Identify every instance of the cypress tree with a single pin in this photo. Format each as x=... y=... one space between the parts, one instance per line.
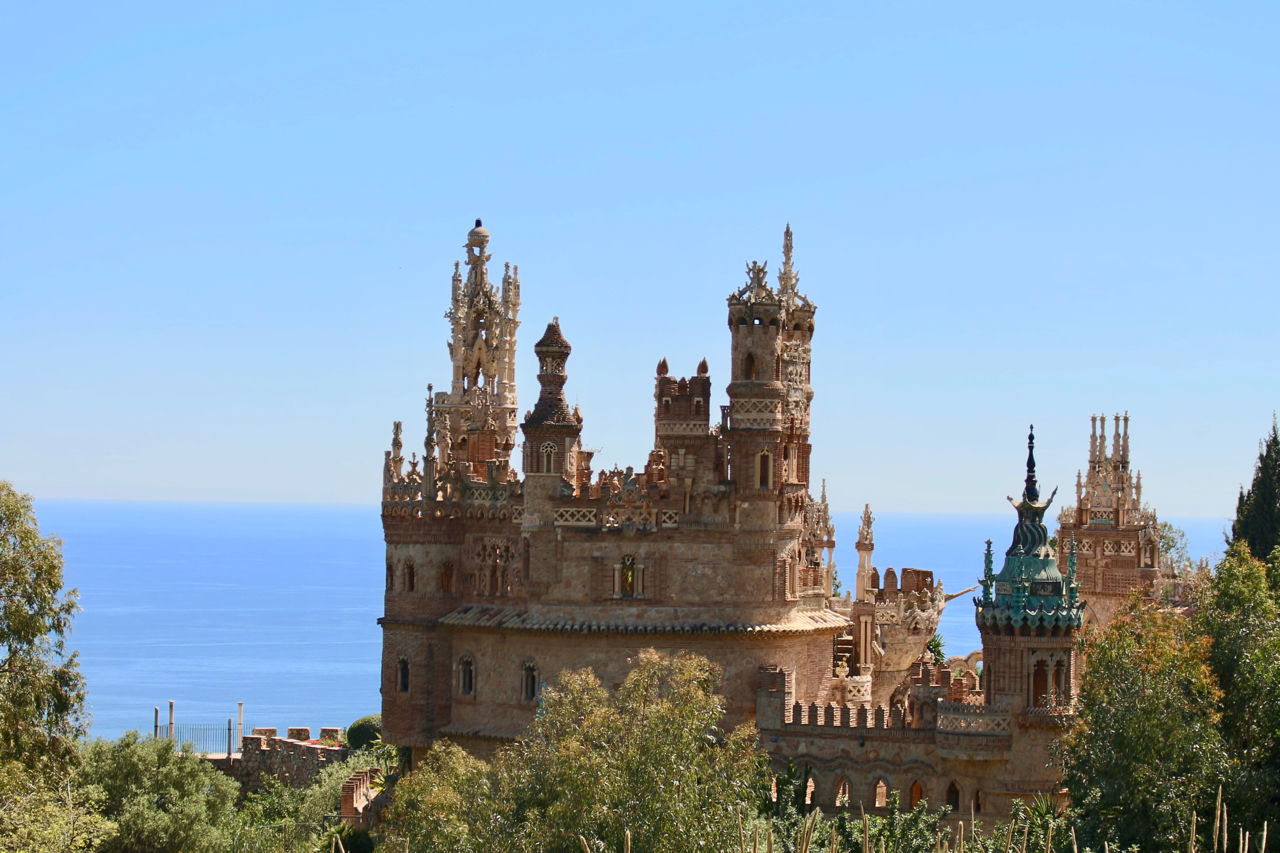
x=1257 y=521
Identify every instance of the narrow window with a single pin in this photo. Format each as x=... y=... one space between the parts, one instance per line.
x=403 y=675
x=749 y=366
x=529 y=683
x=390 y=575
x=1040 y=685
x=809 y=790
x=666 y=405
x=410 y=577
x=628 y=577
x=882 y=794
x=977 y=802
x=446 y=578
x=548 y=458
x=764 y=475
x=917 y=793
x=466 y=677
x=842 y=792
x=953 y=797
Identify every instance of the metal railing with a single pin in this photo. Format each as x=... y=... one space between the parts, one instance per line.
x=210 y=738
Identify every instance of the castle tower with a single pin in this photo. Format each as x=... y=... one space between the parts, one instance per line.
x=551 y=431
x=681 y=420
x=1029 y=613
x=766 y=423
x=1117 y=539
x=474 y=422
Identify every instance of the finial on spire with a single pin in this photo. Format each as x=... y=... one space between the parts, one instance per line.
x=786 y=274
x=703 y=368
x=662 y=367
x=1032 y=491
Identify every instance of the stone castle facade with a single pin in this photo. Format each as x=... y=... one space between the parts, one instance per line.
x=509 y=559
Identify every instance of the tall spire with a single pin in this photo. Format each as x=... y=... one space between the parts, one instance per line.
x=787 y=278
x=1032 y=491
x=1030 y=538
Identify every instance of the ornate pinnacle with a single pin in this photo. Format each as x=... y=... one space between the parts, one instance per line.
x=786 y=275
x=865 y=534
x=396 y=444
x=1032 y=491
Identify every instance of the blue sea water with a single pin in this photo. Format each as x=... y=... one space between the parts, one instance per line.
x=275 y=605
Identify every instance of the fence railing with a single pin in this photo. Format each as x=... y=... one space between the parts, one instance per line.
x=214 y=737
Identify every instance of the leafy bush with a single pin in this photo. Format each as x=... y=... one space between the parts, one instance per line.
x=648 y=759
x=364 y=731
x=161 y=797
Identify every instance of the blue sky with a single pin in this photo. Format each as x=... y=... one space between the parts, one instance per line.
x=227 y=231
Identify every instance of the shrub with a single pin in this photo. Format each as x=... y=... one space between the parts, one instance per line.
x=364 y=731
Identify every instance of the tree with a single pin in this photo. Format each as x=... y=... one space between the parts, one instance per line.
x=163 y=798
x=41 y=815
x=649 y=758
x=1257 y=521
x=1145 y=751
x=1239 y=614
x=41 y=688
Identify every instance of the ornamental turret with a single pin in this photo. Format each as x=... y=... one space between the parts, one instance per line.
x=474 y=422
x=1029 y=612
x=552 y=430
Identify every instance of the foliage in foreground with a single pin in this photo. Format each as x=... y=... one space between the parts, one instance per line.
x=1145 y=750
x=41 y=812
x=41 y=688
x=648 y=759
x=162 y=798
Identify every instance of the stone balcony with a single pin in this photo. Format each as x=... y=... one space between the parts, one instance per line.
x=974 y=732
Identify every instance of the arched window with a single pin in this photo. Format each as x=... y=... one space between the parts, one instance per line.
x=410 y=577
x=809 y=790
x=977 y=802
x=749 y=366
x=666 y=405
x=390 y=575
x=953 y=797
x=548 y=458
x=917 y=793
x=446 y=578
x=402 y=675
x=466 y=676
x=881 y=794
x=1040 y=685
x=764 y=474
x=697 y=405
x=529 y=682
x=842 y=792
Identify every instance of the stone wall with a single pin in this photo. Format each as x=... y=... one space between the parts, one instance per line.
x=293 y=760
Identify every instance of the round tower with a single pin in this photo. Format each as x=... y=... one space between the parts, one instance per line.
x=1029 y=613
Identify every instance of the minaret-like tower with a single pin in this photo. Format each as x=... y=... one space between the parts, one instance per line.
x=1118 y=539
x=552 y=432
x=766 y=423
x=474 y=422
x=1029 y=613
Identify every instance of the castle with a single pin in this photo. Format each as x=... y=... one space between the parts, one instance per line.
x=502 y=572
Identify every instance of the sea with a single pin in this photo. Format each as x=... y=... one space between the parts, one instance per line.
x=207 y=605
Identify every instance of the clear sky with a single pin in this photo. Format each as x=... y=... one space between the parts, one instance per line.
x=227 y=231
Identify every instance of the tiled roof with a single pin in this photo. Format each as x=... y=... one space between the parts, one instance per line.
x=509 y=618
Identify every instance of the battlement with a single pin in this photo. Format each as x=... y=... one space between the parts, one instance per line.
x=294 y=759
x=913 y=581
x=682 y=406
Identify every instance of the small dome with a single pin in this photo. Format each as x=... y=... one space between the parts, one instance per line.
x=478 y=236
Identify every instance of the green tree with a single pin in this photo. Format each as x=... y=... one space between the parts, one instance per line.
x=1239 y=614
x=649 y=758
x=162 y=798
x=1145 y=750
x=41 y=813
x=1257 y=521
x=41 y=689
